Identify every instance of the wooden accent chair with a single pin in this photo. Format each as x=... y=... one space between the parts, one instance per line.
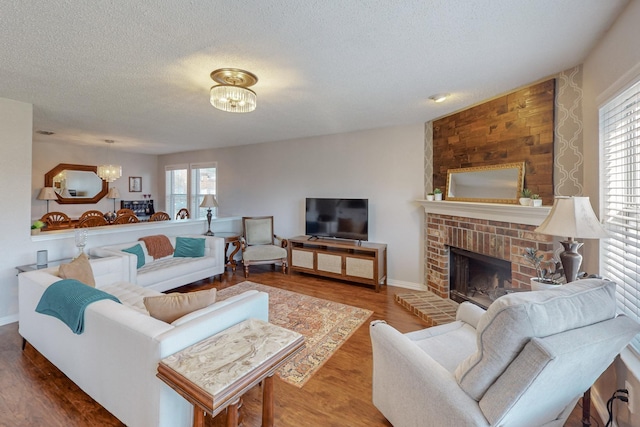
x=160 y=216
x=258 y=243
x=92 y=221
x=126 y=219
x=183 y=214
x=56 y=220
x=91 y=213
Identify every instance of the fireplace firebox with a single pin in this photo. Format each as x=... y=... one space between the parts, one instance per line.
x=477 y=278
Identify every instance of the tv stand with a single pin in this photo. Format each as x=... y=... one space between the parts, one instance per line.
x=350 y=260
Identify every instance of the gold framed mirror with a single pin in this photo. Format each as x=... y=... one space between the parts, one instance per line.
x=488 y=184
x=76 y=184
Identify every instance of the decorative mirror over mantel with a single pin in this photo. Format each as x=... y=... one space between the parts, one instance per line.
x=76 y=184
x=489 y=184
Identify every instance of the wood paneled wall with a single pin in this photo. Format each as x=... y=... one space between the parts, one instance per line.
x=513 y=128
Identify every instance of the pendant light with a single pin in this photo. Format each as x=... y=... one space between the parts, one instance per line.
x=109 y=172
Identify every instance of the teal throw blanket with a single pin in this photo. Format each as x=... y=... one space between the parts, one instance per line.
x=67 y=299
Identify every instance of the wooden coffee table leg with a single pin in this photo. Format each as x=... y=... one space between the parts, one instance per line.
x=232 y=414
x=267 y=402
x=198 y=417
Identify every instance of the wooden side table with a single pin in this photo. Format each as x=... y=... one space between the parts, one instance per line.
x=214 y=373
x=234 y=239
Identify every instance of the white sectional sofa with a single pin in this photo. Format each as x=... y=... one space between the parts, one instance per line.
x=169 y=272
x=115 y=359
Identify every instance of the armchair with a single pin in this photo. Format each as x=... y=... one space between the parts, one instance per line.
x=258 y=243
x=524 y=362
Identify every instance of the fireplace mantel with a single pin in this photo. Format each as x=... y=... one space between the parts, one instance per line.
x=490 y=211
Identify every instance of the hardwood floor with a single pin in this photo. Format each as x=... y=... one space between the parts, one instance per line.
x=34 y=393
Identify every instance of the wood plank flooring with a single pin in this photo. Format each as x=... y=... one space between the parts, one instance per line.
x=33 y=392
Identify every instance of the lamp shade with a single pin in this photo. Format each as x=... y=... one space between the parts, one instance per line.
x=572 y=217
x=209 y=201
x=47 y=193
x=113 y=193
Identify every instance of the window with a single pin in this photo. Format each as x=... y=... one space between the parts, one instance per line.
x=176 y=189
x=620 y=196
x=186 y=186
x=203 y=181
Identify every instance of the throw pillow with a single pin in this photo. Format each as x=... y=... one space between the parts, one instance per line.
x=189 y=247
x=137 y=251
x=175 y=305
x=79 y=269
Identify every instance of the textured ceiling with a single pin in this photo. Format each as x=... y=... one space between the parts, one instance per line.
x=138 y=71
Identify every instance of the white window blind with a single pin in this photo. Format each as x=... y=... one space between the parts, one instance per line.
x=620 y=196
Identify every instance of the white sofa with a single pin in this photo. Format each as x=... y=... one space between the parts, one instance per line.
x=169 y=272
x=115 y=359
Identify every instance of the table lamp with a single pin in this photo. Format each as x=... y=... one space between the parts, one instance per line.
x=209 y=202
x=574 y=217
x=47 y=193
x=113 y=194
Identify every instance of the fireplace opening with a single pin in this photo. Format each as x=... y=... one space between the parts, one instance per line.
x=477 y=278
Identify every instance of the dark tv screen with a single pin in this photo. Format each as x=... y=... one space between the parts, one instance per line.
x=339 y=218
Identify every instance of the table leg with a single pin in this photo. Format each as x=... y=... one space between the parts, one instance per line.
x=586 y=408
x=232 y=260
x=198 y=417
x=267 y=402
x=232 y=414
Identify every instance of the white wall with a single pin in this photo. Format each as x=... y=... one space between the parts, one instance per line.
x=383 y=165
x=610 y=66
x=48 y=155
x=15 y=187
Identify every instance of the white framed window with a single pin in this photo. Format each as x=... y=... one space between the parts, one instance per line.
x=620 y=198
x=176 y=188
x=203 y=181
x=186 y=186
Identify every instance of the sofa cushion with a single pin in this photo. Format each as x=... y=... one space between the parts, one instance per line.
x=131 y=295
x=189 y=247
x=156 y=271
x=263 y=252
x=571 y=306
x=137 y=251
x=79 y=269
x=173 y=306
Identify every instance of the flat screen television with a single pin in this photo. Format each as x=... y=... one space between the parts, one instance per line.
x=338 y=218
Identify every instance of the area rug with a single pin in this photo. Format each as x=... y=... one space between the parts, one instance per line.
x=326 y=325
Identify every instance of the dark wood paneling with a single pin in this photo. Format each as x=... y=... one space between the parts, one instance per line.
x=513 y=128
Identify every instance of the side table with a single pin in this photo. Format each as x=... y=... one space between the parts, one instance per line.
x=32 y=267
x=214 y=373
x=230 y=238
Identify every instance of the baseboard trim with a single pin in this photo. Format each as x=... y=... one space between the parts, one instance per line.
x=8 y=319
x=407 y=285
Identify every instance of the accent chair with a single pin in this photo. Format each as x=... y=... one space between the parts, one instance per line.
x=258 y=243
x=524 y=362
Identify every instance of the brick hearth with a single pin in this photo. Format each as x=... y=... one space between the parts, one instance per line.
x=504 y=240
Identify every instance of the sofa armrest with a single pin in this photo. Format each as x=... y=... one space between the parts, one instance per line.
x=253 y=306
x=410 y=388
x=131 y=259
x=470 y=313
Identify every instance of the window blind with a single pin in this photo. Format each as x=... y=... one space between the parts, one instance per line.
x=620 y=198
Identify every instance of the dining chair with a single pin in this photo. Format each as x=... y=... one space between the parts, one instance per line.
x=92 y=221
x=183 y=214
x=56 y=220
x=126 y=219
x=91 y=213
x=160 y=216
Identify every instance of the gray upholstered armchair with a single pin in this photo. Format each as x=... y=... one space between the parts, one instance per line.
x=258 y=243
x=524 y=362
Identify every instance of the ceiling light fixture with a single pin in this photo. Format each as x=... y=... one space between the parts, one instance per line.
x=109 y=172
x=232 y=94
x=439 y=97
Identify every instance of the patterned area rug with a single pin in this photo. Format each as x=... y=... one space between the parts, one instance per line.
x=326 y=325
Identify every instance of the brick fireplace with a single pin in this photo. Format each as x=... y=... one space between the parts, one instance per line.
x=498 y=231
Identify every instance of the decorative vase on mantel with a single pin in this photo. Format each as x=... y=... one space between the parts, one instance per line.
x=538 y=284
